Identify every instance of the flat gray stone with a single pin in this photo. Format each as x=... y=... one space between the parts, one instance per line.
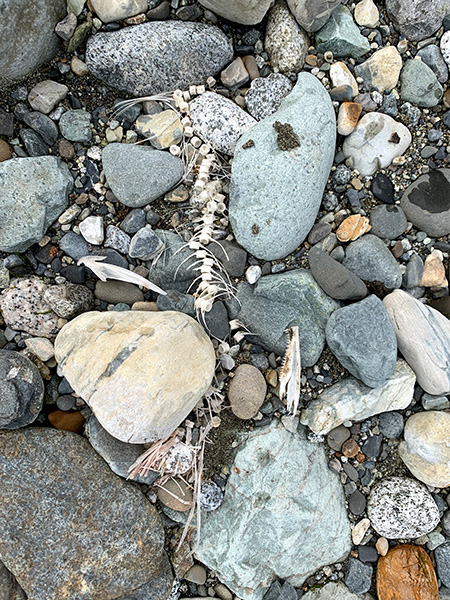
x=419 y=84
x=158 y=57
x=388 y=221
x=312 y=14
x=138 y=175
x=417 y=20
x=335 y=279
x=247 y=12
x=43 y=125
x=264 y=508
x=371 y=260
x=267 y=182
x=33 y=193
x=75 y=126
x=341 y=36
x=167 y=271
x=145 y=244
x=266 y=94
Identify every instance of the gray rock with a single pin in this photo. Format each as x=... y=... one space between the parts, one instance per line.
x=362 y=338
x=139 y=174
x=358 y=577
x=45 y=95
x=417 y=20
x=219 y=121
x=351 y=400
x=432 y=57
x=399 y=507
x=117 y=10
x=419 y=84
x=430 y=402
x=232 y=257
x=265 y=178
x=266 y=94
x=247 y=12
x=168 y=271
x=286 y=42
x=34 y=144
x=69 y=299
x=391 y=424
x=122 y=535
x=414 y=272
x=341 y=36
x=75 y=126
x=115 y=292
x=117 y=239
x=158 y=57
x=21 y=390
x=442 y=556
x=283 y=300
x=174 y=300
x=33 y=193
x=426 y=202
x=145 y=244
x=134 y=221
x=370 y=259
x=335 y=279
x=43 y=125
x=331 y=591
x=66 y=28
x=74 y=245
x=9 y=588
x=312 y=14
x=388 y=221
x=27 y=36
x=264 y=508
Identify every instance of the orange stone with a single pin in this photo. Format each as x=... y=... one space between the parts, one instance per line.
x=350 y=448
x=5 y=150
x=352 y=228
x=349 y=113
x=406 y=573
x=434 y=271
x=70 y=420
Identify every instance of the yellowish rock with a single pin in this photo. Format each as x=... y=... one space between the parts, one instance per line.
x=340 y=74
x=434 y=271
x=366 y=14
x=352 y=228
x=175 y=494
x=382 y=546
x=162 y=129
x=382 y=70
x=359 y=531
x=349 y=113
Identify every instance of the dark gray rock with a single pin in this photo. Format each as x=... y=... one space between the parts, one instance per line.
x=370 y=259
x=388 y=221
x=115 y=292
x=442 y=556
x=417 y=20
x=391 y=424
x=134 y=221
x=432 y=57
x=358 y=577
x=145 y=244
x=74 y=245
x=174 y=300
x=217 y=321
x=43 y=125
x=357 y=503
x=96 y=536
x=363 y=339
x=337 y=437
x=414 y=272
x=248 y=12
x=335 y=279
x=9 y=588
x=34 y=144
x=419 y=84
x=341 y=36
x=232 y=257
x=21 y=390
x=168 y=271
x=75 y=126
x=158 y=57
x=139 y=174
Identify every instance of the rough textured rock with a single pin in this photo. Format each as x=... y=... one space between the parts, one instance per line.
x=381 y=71
x=266 y=94
x=158 y=57
x=111 y=533
x=341 y=36
x=276 y=302
x=419 y=84
x=247 y=12
x=399 y=507
x=275 y=194
x=69 y=299
x=21 y=390
x=426 y=449
x=423 y=338
x=432 y=57
x=262 y=508
x=335 y=279
x=419 y=19
x=26 y=26
x=219 y=121
x=312 y=14
x=33 y=193
x=139 y=174
x=9 y=588
x=351 y=400
x=116 y=10
x=247 y=391
x=331 y=591
x=286 y=42
x=442 y=556
x=140 y=372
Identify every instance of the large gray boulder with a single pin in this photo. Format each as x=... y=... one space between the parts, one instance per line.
x=247 y=12
x=418 y=19
x=158 y=57
x=280 y=169
x=312 y=14
x=27 y=36
x=33 y=193
x=283 y=503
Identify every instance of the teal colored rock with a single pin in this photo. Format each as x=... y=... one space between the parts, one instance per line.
x=280 y=301
x=75 y=126
x=419 y=84
x=280 y=169
x=283 y=514
x=341 y=36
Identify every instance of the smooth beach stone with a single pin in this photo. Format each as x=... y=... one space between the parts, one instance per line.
x=280 y=170
x=311 y=15
x=371 y=260
x=247 y=12
x=335 y=279
x=140 y=372
x=351 y=400
x=423 y=338
x=247 y=391
x=419 y=84
x=426 y=449
x=388 y=221
x=117 y=10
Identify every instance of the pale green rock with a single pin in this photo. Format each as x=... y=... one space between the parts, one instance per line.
x=333 y=591
x=75 y=126
x=341 y=36
x=419 y=84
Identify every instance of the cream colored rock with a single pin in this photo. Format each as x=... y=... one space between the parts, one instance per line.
x=140 y=372
x=366 y=14
x=434 y=271
x=341 y=75
x=116 y=10
x=359 y=531
x=426 y=449
x=423 y=338
x=162 y=129
x=381 y=71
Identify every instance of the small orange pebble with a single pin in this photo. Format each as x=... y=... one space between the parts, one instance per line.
x=352 y=228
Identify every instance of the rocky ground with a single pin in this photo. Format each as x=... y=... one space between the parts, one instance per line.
x=283 y=164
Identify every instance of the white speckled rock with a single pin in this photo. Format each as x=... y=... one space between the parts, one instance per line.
x=399 y=507
x=375 y=142
x=266 y=94
x=366 y=13
x=445 y=47
x=351 y=400
x=140 y=372
x=286 y=42
x=247 y=12
x=116 y=10
x=426 y=449
x=219 y=121
x=423 y=338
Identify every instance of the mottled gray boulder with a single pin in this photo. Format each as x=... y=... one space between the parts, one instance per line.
x=247 y=12
x=370 y=259
x=278 y=178
x=419 y=84
x=69 y=299
x=97 y=536
x=21 y=390
x=219 y=121
x=75 y=126
x=312 y=14
x=9 y=588
x=419 y=19
x=138 y=175
x=27 y=36
x=362 y=338
x=33 y=193
x=266 y=93
x=286 y=42
x=158 y=57
x=341 y=36
x=263 y=508
x=276 y=302
x=335 y=279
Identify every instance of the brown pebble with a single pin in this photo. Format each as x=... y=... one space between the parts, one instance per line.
x=350 y=448
x=398 y=250
x=311 y=60
x=446 y=98
x=251 y=66
x=66 y=149
x=67 y=420
x=352 y=228
x=382 y=546
x=272 y=377
x=247 y=391
x=5 y=151
x=175 y=494
x=349 y=113
x=433 y=272
x=149 y=306
x=137 y=20
x=196 y=574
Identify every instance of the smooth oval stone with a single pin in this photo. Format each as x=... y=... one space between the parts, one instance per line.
x=399 y=507
x=158 y=57
x=423 y=338
x=388 y=221
x=426 y=449
x=247 y=391
x=140 y=372
x=419 y=84
x=335 y=279
x=278 y=177
x=370 y=259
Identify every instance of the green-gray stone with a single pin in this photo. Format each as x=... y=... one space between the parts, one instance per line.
x=419 y=84
x=169 y=271
x=341 y=36
x=285 y=300
x=75 y=126
x=283 y=514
